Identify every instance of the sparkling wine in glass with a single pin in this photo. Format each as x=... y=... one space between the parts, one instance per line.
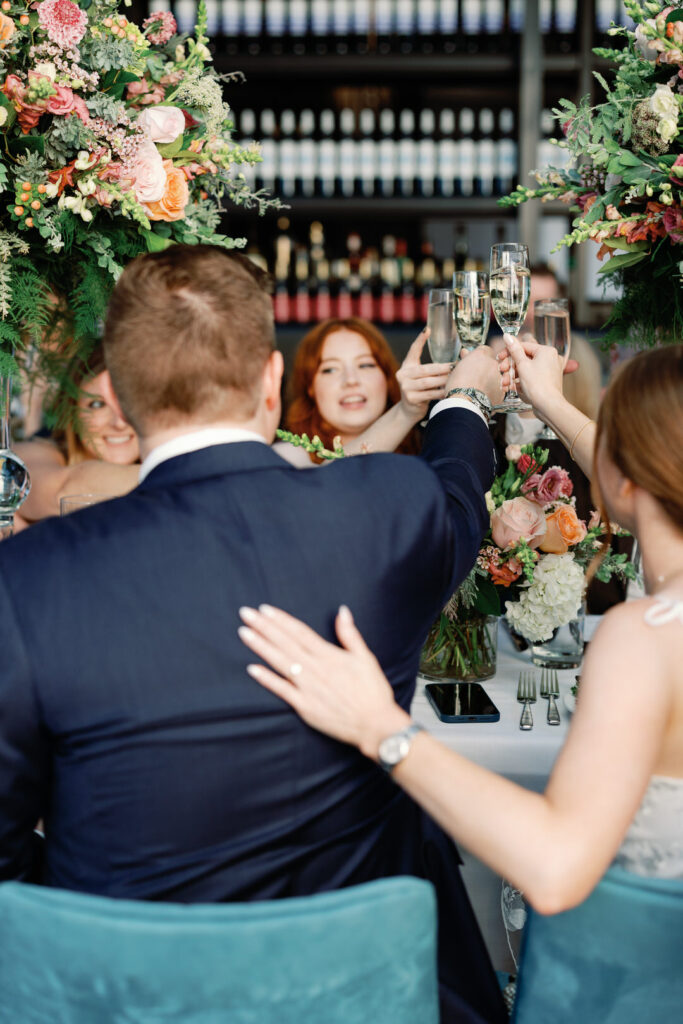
x=444 y=346
x=472 y=307
x=510 y=286
x=551 y=327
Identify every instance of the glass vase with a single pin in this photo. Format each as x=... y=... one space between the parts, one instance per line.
x=461 y=648
x=564 y=649
x=14 y=479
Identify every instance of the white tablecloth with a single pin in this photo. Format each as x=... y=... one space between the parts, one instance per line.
x=524 y=757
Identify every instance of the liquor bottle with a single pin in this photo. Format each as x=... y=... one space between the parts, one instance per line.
x=213 y=16
x=186 y=15
x=322 y=303
x=360 y=26
x=298 y=26
x=407 y=152
x=485 y=153
x=342 y=308
x=283 y=254
x=347 y=152
x=565 y=23
x=427 y=23
x=306 y=155
x=386 y=310
x=426 y=153
x=275 y=18
x=288 y=153
x=253 y=25
x=466 y=153
x=448 y=25
x=302 y=298
x=446 y=156
x=321 y=24
x=407 y=307
x=471 y=23
x=328 y=169
x=367 y=152
x=516 y=16
x=387 y=153
x=342 y=14
x=426 y=275
x=366 y=302
x=231 y=24
x=268 y=169
x=384 y=24
x=460 y=248
x=506 y=153
x=493 y=17
x=404 y=26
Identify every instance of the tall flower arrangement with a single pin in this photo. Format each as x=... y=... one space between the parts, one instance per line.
x=116 y=140
x=625 y=176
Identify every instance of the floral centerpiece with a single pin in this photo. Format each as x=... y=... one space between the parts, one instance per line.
x=531 y=565
x=625 y=175
x=116 y=140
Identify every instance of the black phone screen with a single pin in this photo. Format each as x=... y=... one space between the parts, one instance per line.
x=462 y=702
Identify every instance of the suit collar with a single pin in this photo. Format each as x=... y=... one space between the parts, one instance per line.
x=216 y=460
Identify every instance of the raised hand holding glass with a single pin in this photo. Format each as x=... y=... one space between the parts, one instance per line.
x=510 y=285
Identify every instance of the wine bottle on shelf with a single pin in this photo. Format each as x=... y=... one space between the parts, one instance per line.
x=213 y=16
x=460 y=248
x=565 y=23
x=387 y=169
x=466 y=153
x=407 y=307
x=232 y=24
x=384 y=24
x=448 y=25
x=471 y=23
x=321 y=25
x=307 y=152
x=302 y=298
x=516 y=12
x=485 y=153
x=366 y=302
x=426 y=153
x=386 y=309
x=347 y=152
x=252 y=25
x=186 y=15
x=404 y=26
x=493 y=17
x=426 y=275
x=299 y=26
x=343 y=307
x=427 y=23
x=446 y=156
x=322 y=305
x=268 y=169
x=288 y=154
x=367 y=152
x=545 y=16
x=283 y=256
x=407 y=152
x=506 y=153
x=275 y=19
x=328 y=169
x=360 y=26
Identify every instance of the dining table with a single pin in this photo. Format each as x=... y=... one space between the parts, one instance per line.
x=523 y=756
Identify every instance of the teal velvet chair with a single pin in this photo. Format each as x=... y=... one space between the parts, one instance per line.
x=363 y=954
x=615 y=959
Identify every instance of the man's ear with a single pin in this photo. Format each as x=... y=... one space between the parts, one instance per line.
x=272 y=379
x=110 y=395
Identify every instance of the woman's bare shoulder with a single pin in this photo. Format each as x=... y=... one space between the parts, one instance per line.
x=40 y=451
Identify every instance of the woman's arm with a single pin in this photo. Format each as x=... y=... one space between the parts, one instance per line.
x=555 y=846
x=539 y=369
x=52 y=479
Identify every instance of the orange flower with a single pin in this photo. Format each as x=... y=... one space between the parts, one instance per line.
x=176 y=196
x=563 y=528
x=506 y=573
x=7 y=30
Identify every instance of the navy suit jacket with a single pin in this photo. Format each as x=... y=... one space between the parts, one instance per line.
x=127 y=719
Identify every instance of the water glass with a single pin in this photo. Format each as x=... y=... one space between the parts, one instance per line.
x=472 y=307
x=444 y=345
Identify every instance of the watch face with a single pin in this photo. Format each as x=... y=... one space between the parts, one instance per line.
x=393 y=749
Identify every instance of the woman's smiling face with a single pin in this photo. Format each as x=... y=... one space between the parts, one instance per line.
x=104 y=433
x=349 y=387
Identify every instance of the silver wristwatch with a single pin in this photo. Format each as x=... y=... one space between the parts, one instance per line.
x=394 y=748
x=478 y=397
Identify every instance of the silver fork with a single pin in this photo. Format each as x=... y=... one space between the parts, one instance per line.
x=550 y=689
x=526 y=694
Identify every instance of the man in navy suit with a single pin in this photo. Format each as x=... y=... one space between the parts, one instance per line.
x=127 y=719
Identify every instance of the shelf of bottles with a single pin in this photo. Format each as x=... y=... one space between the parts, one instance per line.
x=385 y=27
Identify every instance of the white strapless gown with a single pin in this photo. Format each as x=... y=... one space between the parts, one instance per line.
x=653 y=845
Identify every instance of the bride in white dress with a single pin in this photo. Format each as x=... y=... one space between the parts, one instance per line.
x=616 y=791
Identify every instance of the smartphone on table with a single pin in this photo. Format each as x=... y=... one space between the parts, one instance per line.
x=461 y=702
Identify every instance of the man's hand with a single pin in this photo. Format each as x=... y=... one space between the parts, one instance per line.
x=421 y=383
x=539 y=369
x=478 y=369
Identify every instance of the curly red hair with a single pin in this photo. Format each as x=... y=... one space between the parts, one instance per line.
x=303 y=416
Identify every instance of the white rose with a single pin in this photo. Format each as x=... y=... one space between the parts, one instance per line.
x=668 y=128
x=149 y=175
x=3 y=115
x=663 y=103
x=162 y=124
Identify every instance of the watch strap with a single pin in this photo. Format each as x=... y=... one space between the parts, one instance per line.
x=408 y=734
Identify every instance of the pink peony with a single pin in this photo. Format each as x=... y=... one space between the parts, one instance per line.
x=517 y=519
x=64 y=22
x=162 y=124
x=549 y=486
x=62 y=102
x=673 y=223
x=164 y=25
x=148 y=173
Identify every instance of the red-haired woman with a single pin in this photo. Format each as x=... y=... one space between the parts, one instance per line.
x=346 y=383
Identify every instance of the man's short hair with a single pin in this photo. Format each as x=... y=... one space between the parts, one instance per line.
x=187 y=335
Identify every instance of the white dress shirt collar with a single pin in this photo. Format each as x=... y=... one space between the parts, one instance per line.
x=192 y=442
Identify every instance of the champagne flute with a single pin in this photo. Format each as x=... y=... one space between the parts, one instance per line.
x=510 y=285
x=444 y=345
x=472 y=307
x=551 y=327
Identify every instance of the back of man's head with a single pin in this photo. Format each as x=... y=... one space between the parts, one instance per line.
x=187 y=335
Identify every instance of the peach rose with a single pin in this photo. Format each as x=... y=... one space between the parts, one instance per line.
x=162 y=124
x=563 y=528
x=517 y=519
x=7 y=30
x=172 y=204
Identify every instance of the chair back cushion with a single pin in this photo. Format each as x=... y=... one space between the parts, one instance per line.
x=615 y=959
x=366 y=953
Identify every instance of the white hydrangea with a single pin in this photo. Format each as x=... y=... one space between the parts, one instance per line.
x=552 y=600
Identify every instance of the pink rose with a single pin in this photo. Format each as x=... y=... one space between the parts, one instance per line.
x=162 y=124
x=517 y=519
x=80 y=109
x=62 y=102
x=148 y=173
x=548 y=487
x=673 y=222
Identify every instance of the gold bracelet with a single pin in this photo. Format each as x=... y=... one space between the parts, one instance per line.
x=576 y=437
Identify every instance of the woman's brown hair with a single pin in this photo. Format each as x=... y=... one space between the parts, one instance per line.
x=302 y=415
